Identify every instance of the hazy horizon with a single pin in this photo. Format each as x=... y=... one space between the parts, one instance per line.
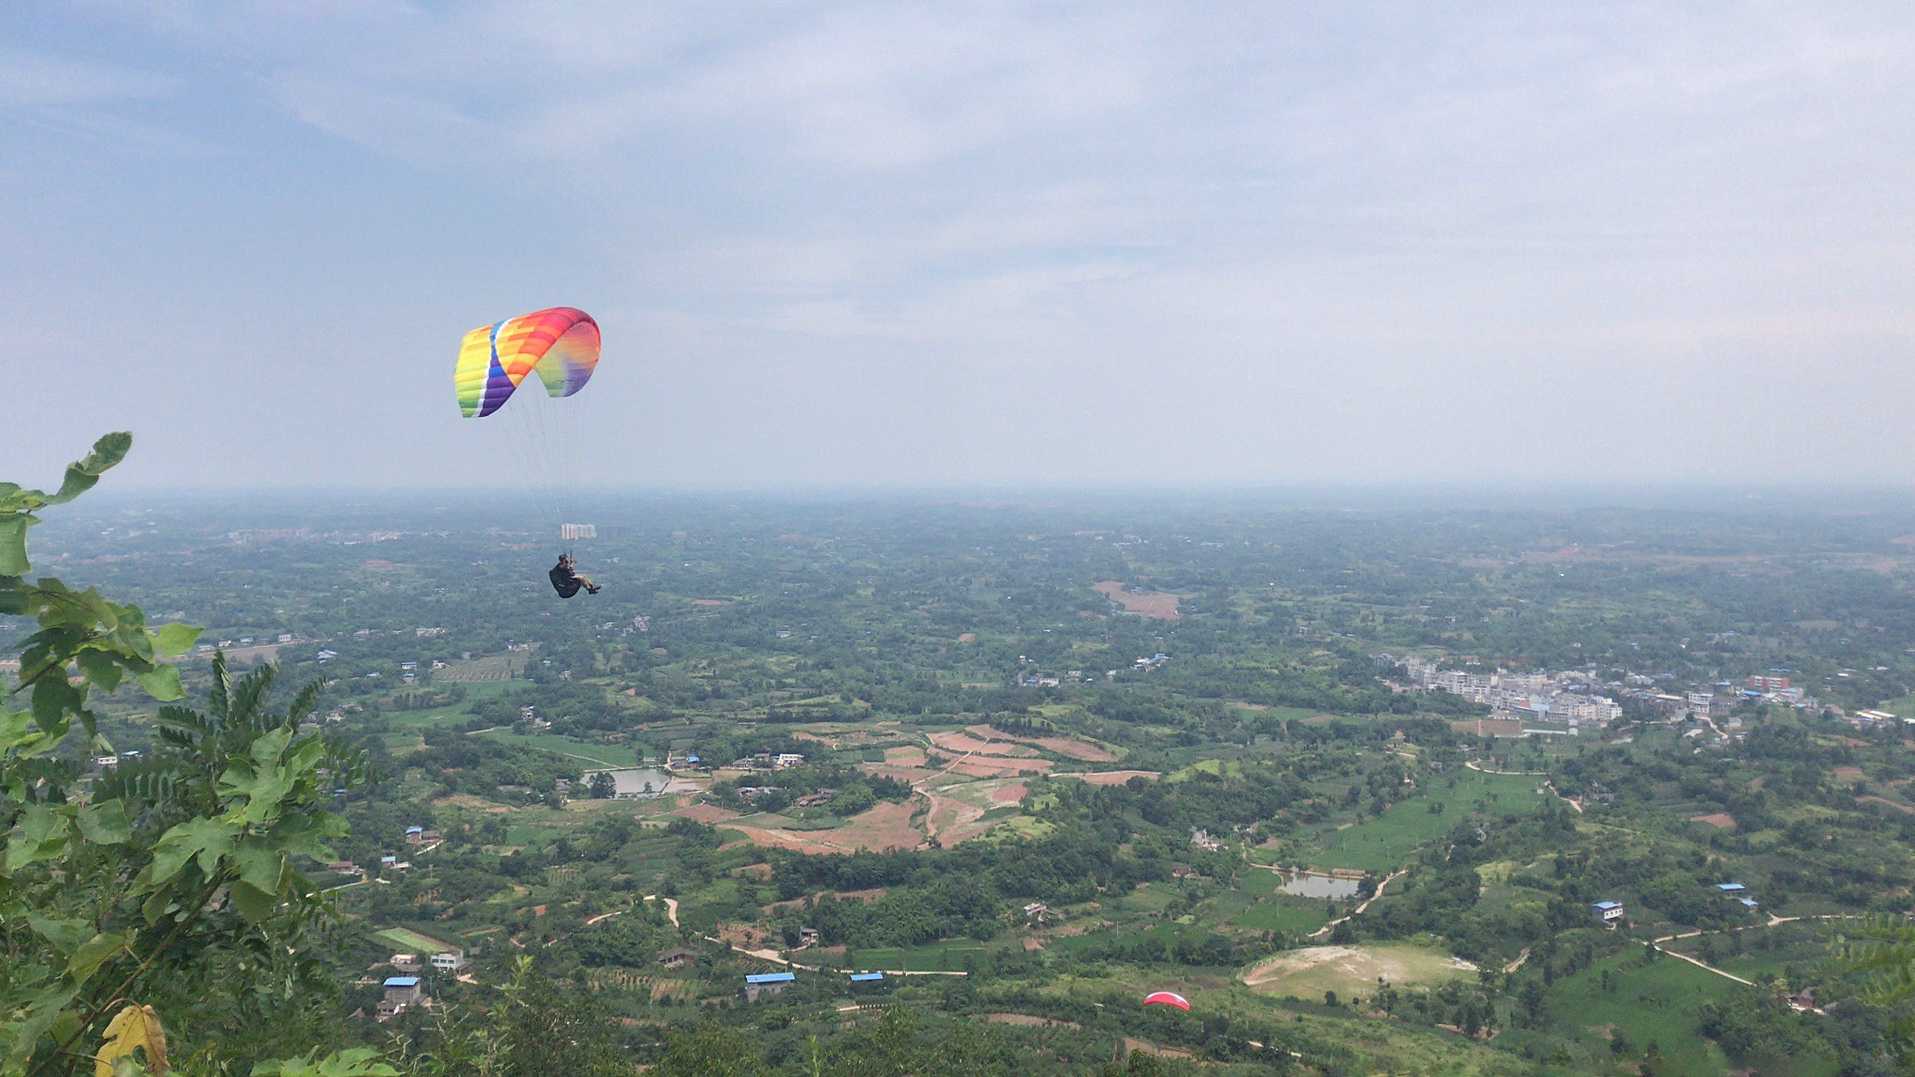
x=891 y=249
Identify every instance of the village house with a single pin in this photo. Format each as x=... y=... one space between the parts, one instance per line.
x=415 y=835
x=807 y=936
x=1608 y=913
x=1035 y=912
x=1202 y=840
x=405 y=962
x=784 y=760
x=812 y=800
x=449 y=961
x=765 y=983
x=401 y=992
x=678 y=957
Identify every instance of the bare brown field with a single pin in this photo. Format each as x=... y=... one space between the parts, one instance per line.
x=967 y=637
x=708 y=603
x=1848 y=774
x=907 y=775
x=1068 y=747
x=964 y=743
x=1000 y=767
x=1896 y=804
x=1721 y=820
x=1114 y=777
x=1010 y=794
x=1155 y=605
x=904 y=757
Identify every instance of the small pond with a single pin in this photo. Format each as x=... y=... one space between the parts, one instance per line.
x=1306 y=884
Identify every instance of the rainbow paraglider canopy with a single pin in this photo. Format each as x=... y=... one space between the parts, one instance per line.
x=559 y=343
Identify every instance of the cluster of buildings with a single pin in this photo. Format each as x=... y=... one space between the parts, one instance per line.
x=1567 y=701
x=763 y=984
x=1547 y=702
x=760 y=761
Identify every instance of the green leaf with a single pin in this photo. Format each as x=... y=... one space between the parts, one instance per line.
x=67 y=936
x=54 y=698
x=104 y=823
x=353 y=1062
x=254 y=904
x=172 y=640
x=93 y=953
x=13 y=543
x=42 y=1012
x=84 y=472
x=206 y=840
x=42 y=836
x=101 y=669
x=163 y=683
x=259 y=864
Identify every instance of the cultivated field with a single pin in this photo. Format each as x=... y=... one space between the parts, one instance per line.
x=495 y=667
x=412 y=942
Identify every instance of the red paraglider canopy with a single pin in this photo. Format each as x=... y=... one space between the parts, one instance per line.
x=1166 y=998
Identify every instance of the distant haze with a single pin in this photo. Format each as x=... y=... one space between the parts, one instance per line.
x=897 y=244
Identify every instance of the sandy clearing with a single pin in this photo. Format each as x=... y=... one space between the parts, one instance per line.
x=1155 y=605
x=1721 y=820
x=1357 y=962
x=1030 y=1019
x=904 y=757
x=1010 y=794
x=1849 y=774
x=472 y=803
x=883 y=827
x=705 y=813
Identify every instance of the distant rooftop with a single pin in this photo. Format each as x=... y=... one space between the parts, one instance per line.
x=771 y=978
x=866 y=977
x=1731 y=888
x=1606 y=905
x=402 y=981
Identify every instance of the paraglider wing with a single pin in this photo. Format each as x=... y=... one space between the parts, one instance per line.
x=560 y=343
x=1167 y=998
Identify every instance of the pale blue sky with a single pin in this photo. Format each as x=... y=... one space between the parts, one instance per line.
x=955 y=243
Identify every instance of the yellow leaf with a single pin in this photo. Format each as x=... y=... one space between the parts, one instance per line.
x=133 y=1028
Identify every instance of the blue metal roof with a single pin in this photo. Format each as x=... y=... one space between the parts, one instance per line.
x=1748 y=902
x=1608 y=905
x=866 y=977
x=402 y=981
x=771 y=978
x=1731 y=888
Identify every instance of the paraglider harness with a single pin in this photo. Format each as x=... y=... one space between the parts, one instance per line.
x=566 y=580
